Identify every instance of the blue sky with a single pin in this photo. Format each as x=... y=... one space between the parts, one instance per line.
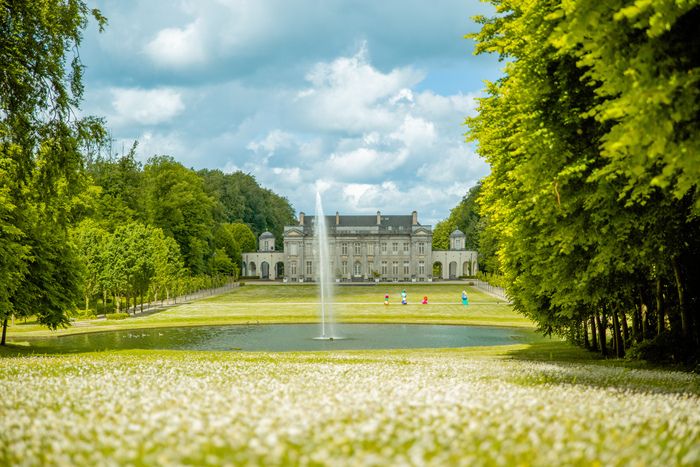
x=362 y=100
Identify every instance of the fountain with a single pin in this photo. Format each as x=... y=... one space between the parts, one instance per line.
x=324 y=273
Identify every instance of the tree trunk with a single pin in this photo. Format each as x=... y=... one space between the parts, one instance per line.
x=660 y=327
x=617 y=336
x=4 y=331
x=625 y=329
x=87 y=302
x=594 y=337
x=602 y=322
x=586 y=343
x=636 y=321
x=685 y=318
x=142 y=303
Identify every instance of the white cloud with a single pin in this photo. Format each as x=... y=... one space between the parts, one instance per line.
x=364 y=163
x=291 y=175
x=218 y=30
x=178 y=47
x=349 y=94
x=145 y=106
x=274 y=140
x=415 y=133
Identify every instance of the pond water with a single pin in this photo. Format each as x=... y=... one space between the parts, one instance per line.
x=286 y=337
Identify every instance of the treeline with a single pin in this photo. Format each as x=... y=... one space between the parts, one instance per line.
x=76 y=227
x=593 y=137
x=147 y=231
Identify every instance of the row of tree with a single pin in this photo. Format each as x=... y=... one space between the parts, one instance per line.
x=75 y=225
x=593 y=137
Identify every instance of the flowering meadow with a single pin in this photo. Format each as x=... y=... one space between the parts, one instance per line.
x=412 y=407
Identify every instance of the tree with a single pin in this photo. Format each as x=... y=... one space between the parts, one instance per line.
x=465 y=217
x=40 y=153
x=588 y=201
x=224 y=239
x=243 y=236
x=242 y=199
x=168 y=264
x=120 y=196
x=177 y=203
x=90 y=241
x=441 y=234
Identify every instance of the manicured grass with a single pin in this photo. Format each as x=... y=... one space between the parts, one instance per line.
x=299 y=304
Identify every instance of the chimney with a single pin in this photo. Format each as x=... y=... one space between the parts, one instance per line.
x=415 y=217
x=301 y=218
x=379 y=218
x=337 y=218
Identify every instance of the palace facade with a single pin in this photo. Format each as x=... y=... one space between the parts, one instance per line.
x=362 y=248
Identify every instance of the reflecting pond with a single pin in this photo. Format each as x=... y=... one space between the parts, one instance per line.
x=286 y=337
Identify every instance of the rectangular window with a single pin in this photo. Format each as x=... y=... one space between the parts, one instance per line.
x=383 y=248
x=293 y=268
x=358 y=248
x=395 y=247
x=406 y=246
x=370 y=249
x=345 y=268
x=395 y=268
x=358 y=268
x=421 y=248
x=421 y=268
x=309 y=268
x=293 y=249
x=406 y=268
x=344 y=249
x=385 y=269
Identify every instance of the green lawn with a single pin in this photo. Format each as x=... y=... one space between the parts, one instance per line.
x=299 y=304
x=543 y=403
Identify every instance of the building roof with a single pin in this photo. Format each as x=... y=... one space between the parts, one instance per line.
x=387 y=223
x=267 y=234
x=457 y=233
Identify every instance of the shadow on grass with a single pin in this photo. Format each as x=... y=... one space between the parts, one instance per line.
x=571 y=365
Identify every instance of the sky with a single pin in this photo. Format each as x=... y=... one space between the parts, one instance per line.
x=362 y=100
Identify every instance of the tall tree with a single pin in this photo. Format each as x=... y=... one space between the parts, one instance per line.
x=40 y=152
x=176 y=202
x=592 y=136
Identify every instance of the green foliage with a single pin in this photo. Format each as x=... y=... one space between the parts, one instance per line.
x=177 y=203
x=242 y=200
x=243 y=236
x=40 y=155
x=441 y=234
x=117 y=316
x=592 y=137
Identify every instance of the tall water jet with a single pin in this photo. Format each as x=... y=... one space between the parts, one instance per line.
x=324 y=273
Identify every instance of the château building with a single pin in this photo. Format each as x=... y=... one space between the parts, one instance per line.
x=361 y=248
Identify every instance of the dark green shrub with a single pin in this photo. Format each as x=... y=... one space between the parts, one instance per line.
x=117 y=315
x=656 y=350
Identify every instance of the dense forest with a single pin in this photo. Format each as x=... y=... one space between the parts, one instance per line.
x=593 y=138
x=145 y=230
x=75 y=227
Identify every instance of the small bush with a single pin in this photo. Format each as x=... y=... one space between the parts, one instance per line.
x=117 y=315
x=656 y=350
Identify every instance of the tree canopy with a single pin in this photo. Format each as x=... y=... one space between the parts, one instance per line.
x=592 y=136
x=40 y=154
